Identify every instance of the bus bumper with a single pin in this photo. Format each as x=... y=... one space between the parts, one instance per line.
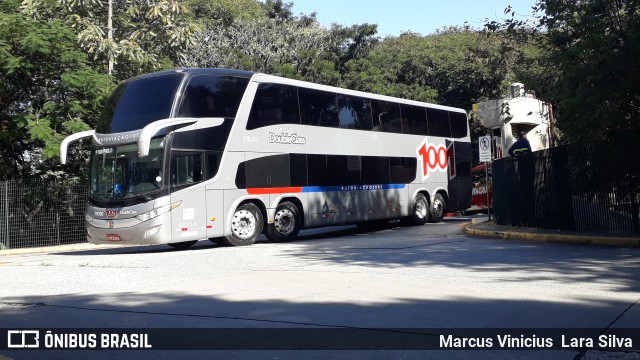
x=154 y=231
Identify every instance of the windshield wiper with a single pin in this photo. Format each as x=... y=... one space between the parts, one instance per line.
x=142 y=196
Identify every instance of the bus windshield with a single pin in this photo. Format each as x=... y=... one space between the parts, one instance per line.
x=117 y=173
x=137 y=103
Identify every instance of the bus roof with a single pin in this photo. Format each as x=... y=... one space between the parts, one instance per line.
x=199 y=71
x=264 y=78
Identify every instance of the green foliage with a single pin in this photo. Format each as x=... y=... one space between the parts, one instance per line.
x=281 y=47
x=145 y=34
x=47 y=90
x=455 y=67
x=581 y=56
x=278 y=10
x=588 y=63
x=225 y=12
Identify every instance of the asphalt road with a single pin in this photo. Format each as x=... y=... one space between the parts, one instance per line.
x=433 y=276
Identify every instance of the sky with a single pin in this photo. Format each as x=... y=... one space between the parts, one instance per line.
x=422 y=16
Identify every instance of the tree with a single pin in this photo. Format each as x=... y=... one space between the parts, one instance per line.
x=353 y=42
x=455 y=67
x=593 y=49
x=278 y=10
x=225 y=12
x=293 y=48
x=147 y=35
x=47 y=90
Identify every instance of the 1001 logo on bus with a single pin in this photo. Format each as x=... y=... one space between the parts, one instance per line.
x=434 y=158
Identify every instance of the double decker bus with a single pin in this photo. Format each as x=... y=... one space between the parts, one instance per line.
x=189 y=154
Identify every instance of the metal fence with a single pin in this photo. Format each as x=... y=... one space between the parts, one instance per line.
x=583 y=187
x=38 y=213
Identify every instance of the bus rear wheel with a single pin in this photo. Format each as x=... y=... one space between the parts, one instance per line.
x=437 y=209
x=286 y=223
x=182 y=244
x=420 y=211
x=246 y=225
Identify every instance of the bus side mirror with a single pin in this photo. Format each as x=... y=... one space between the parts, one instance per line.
x=144 y=139
x=64 y=145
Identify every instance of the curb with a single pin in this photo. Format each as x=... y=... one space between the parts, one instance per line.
x=57 y=249
x=556 y=238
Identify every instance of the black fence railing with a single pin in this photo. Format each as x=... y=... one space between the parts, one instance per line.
x=39 y=213
x=583 y=187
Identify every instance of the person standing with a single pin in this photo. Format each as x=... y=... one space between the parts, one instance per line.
x=525 y=174
x=520 y=147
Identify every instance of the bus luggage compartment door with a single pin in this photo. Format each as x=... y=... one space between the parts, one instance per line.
x=325 y=208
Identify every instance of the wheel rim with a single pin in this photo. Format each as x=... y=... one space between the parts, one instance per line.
x=244 y=224
x=421 y=209
x=438 y=208
x=284 y=221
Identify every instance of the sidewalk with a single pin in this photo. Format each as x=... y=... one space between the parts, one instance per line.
x=491 y=229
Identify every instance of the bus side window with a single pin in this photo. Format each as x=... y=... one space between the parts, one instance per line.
x=199 y=101
x=212 y=96
x=319 y=108
x=186 y=169
x=458 y=124
x=274 y=104
x=438 y=123
x=213 y=162
x=375 y=170
x=414 y=120
x=386 y=116
x=355 y=112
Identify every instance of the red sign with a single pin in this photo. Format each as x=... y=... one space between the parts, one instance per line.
x=434 y=158
x=111 y=212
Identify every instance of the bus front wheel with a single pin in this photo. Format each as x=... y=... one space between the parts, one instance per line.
x=246 y=225
x=437 y=209
x=286 y=223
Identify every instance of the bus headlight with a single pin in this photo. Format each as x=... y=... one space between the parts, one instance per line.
x=157 y=211
x=88 y=217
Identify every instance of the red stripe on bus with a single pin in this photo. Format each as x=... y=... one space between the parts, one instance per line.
x=267 y=191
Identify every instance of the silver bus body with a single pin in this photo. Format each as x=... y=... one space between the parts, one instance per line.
x=190 y=174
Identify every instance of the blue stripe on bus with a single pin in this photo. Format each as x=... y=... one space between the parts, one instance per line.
x=353 y=187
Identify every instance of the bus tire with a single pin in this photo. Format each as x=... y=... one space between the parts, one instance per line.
x=286 y=223
x=420 y=212
x=437 y=208
x=182 y=244
x=246 y=225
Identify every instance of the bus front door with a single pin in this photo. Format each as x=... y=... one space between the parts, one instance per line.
x=188 y=220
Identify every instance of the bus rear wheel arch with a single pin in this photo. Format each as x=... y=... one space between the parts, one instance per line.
x=247 y=223
x=287 y=222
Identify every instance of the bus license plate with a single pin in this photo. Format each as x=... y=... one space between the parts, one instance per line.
x=113 y=237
